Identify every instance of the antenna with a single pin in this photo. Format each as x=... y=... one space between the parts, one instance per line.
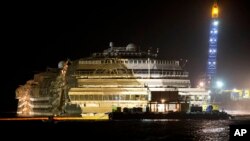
x=183 y=62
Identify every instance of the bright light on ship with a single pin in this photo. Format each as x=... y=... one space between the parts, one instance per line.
x=161 y=108
x=162 y=100
x=201 y=84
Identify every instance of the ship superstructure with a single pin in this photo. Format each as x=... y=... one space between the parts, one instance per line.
x=117 y=79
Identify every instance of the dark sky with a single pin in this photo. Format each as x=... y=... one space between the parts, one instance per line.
x=40 y=35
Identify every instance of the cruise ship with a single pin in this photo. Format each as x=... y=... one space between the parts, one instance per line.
x=116 y=79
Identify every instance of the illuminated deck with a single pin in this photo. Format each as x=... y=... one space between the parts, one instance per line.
x=53 y=118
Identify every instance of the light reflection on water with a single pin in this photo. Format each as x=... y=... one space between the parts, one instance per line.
x=153 y=120
x=212 y=130
x=238 y=112
x=175 y=129
x=195 y=129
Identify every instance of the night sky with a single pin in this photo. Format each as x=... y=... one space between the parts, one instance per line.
x=41 y=35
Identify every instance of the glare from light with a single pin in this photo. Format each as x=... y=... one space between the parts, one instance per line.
x=215 y=23
x=219 y=84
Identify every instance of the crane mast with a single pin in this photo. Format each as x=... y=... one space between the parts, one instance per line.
x=212 y=49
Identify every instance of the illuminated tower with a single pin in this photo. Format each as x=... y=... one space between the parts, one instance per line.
x=212 y=50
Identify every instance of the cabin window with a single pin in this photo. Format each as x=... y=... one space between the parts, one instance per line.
x=105 y=97
x=110 y=97
x=137 y=97
x=90 y=97
x=143 y=97
x=127 y=97
x=132 y=97
x=122 y=97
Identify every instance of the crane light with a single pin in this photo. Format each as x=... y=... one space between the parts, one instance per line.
x=215 y=11
x=215 y=23
x=219 y=84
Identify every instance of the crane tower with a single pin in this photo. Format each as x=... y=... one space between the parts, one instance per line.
x=212 y=49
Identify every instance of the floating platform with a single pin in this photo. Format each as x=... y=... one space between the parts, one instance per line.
x=172 y=115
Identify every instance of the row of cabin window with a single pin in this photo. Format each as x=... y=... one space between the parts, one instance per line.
x=116 y=53
x=141 y=72
x=108 y=97
x=130 y=62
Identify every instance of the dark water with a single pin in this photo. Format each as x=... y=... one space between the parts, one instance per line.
x=145 y=130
